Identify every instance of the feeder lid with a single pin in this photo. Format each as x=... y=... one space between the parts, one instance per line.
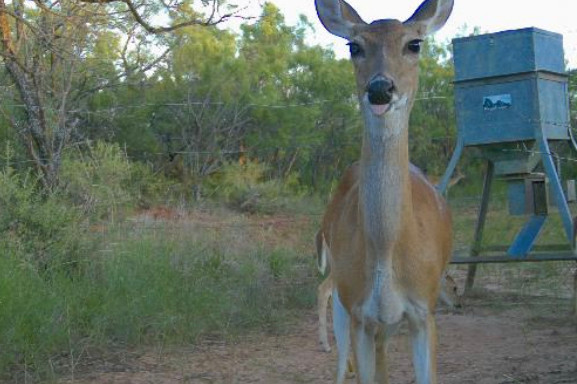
x=508 y=53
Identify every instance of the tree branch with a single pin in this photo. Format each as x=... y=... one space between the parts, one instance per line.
x=158 y=30
x=101 y=1
x=126 y=74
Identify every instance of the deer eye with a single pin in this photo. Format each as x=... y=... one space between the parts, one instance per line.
x=355 y=49
x=414 y=45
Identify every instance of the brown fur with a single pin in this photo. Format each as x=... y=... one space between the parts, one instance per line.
x=342 y=222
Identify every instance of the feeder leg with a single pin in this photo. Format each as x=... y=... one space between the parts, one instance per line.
x=558 y=193
x=442 y=187
x=487 y=183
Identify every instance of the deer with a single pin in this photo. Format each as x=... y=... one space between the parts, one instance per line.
x=390 y=233
x=449 y=295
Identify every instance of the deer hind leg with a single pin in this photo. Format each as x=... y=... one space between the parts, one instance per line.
x=449 y=295
x=323 y=296
x=341 y=328
x=424 y=343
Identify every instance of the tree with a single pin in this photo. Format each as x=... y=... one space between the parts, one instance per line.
x=41 y=59
x=48 y=52
x=432 y=128
x=302 y=99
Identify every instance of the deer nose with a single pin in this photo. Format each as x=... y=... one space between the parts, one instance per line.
x=380 y=90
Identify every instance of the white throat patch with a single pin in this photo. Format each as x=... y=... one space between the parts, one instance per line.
x=388 y=125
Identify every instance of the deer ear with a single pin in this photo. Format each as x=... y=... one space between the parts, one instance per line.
x=432 y=15
x=338 y=17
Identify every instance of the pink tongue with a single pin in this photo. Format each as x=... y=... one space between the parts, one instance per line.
x=379 y=109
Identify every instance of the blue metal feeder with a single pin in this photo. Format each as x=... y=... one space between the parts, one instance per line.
x=512 y=102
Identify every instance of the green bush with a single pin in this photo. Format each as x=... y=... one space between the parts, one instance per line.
x=65 y=290
x=100 y=179
x=41 y=227
x=146 y=187
x=41 y=245
x=246 y=188
x=97 y=179
x=152 y=288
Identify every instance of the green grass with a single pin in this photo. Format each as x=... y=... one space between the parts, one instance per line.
x=147 y=285
x=500 y=228
x=66 y=292
x=32 y=326
x=552 y=279
x=143 y=282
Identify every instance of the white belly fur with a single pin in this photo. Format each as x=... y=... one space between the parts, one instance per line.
x=384 y=306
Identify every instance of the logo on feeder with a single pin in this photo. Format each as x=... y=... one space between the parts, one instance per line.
x=493 y=103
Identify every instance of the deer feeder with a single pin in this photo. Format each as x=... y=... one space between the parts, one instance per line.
x=512 y=105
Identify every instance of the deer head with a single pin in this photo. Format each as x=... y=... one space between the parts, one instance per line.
x=384 y=53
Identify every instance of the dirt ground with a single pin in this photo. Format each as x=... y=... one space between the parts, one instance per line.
x=495 y=339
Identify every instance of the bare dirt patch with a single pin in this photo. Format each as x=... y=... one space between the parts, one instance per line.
x=531 y=340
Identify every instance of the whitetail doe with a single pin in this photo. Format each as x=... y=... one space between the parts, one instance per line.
x=389 y=233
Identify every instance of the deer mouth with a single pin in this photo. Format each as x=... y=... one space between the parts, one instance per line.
x=396 y=103
x=380 y=109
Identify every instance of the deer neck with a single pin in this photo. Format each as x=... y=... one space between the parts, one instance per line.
x=385 y=189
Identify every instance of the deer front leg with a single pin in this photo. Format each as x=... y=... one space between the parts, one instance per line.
x=364 y=348
x=341 y=328
x=424 y=342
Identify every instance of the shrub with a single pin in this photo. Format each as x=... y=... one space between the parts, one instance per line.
x=42 y=244
x=96 y=179
x=101 y=180
x=41 y=227
x=64 y=290
x=245 y=188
